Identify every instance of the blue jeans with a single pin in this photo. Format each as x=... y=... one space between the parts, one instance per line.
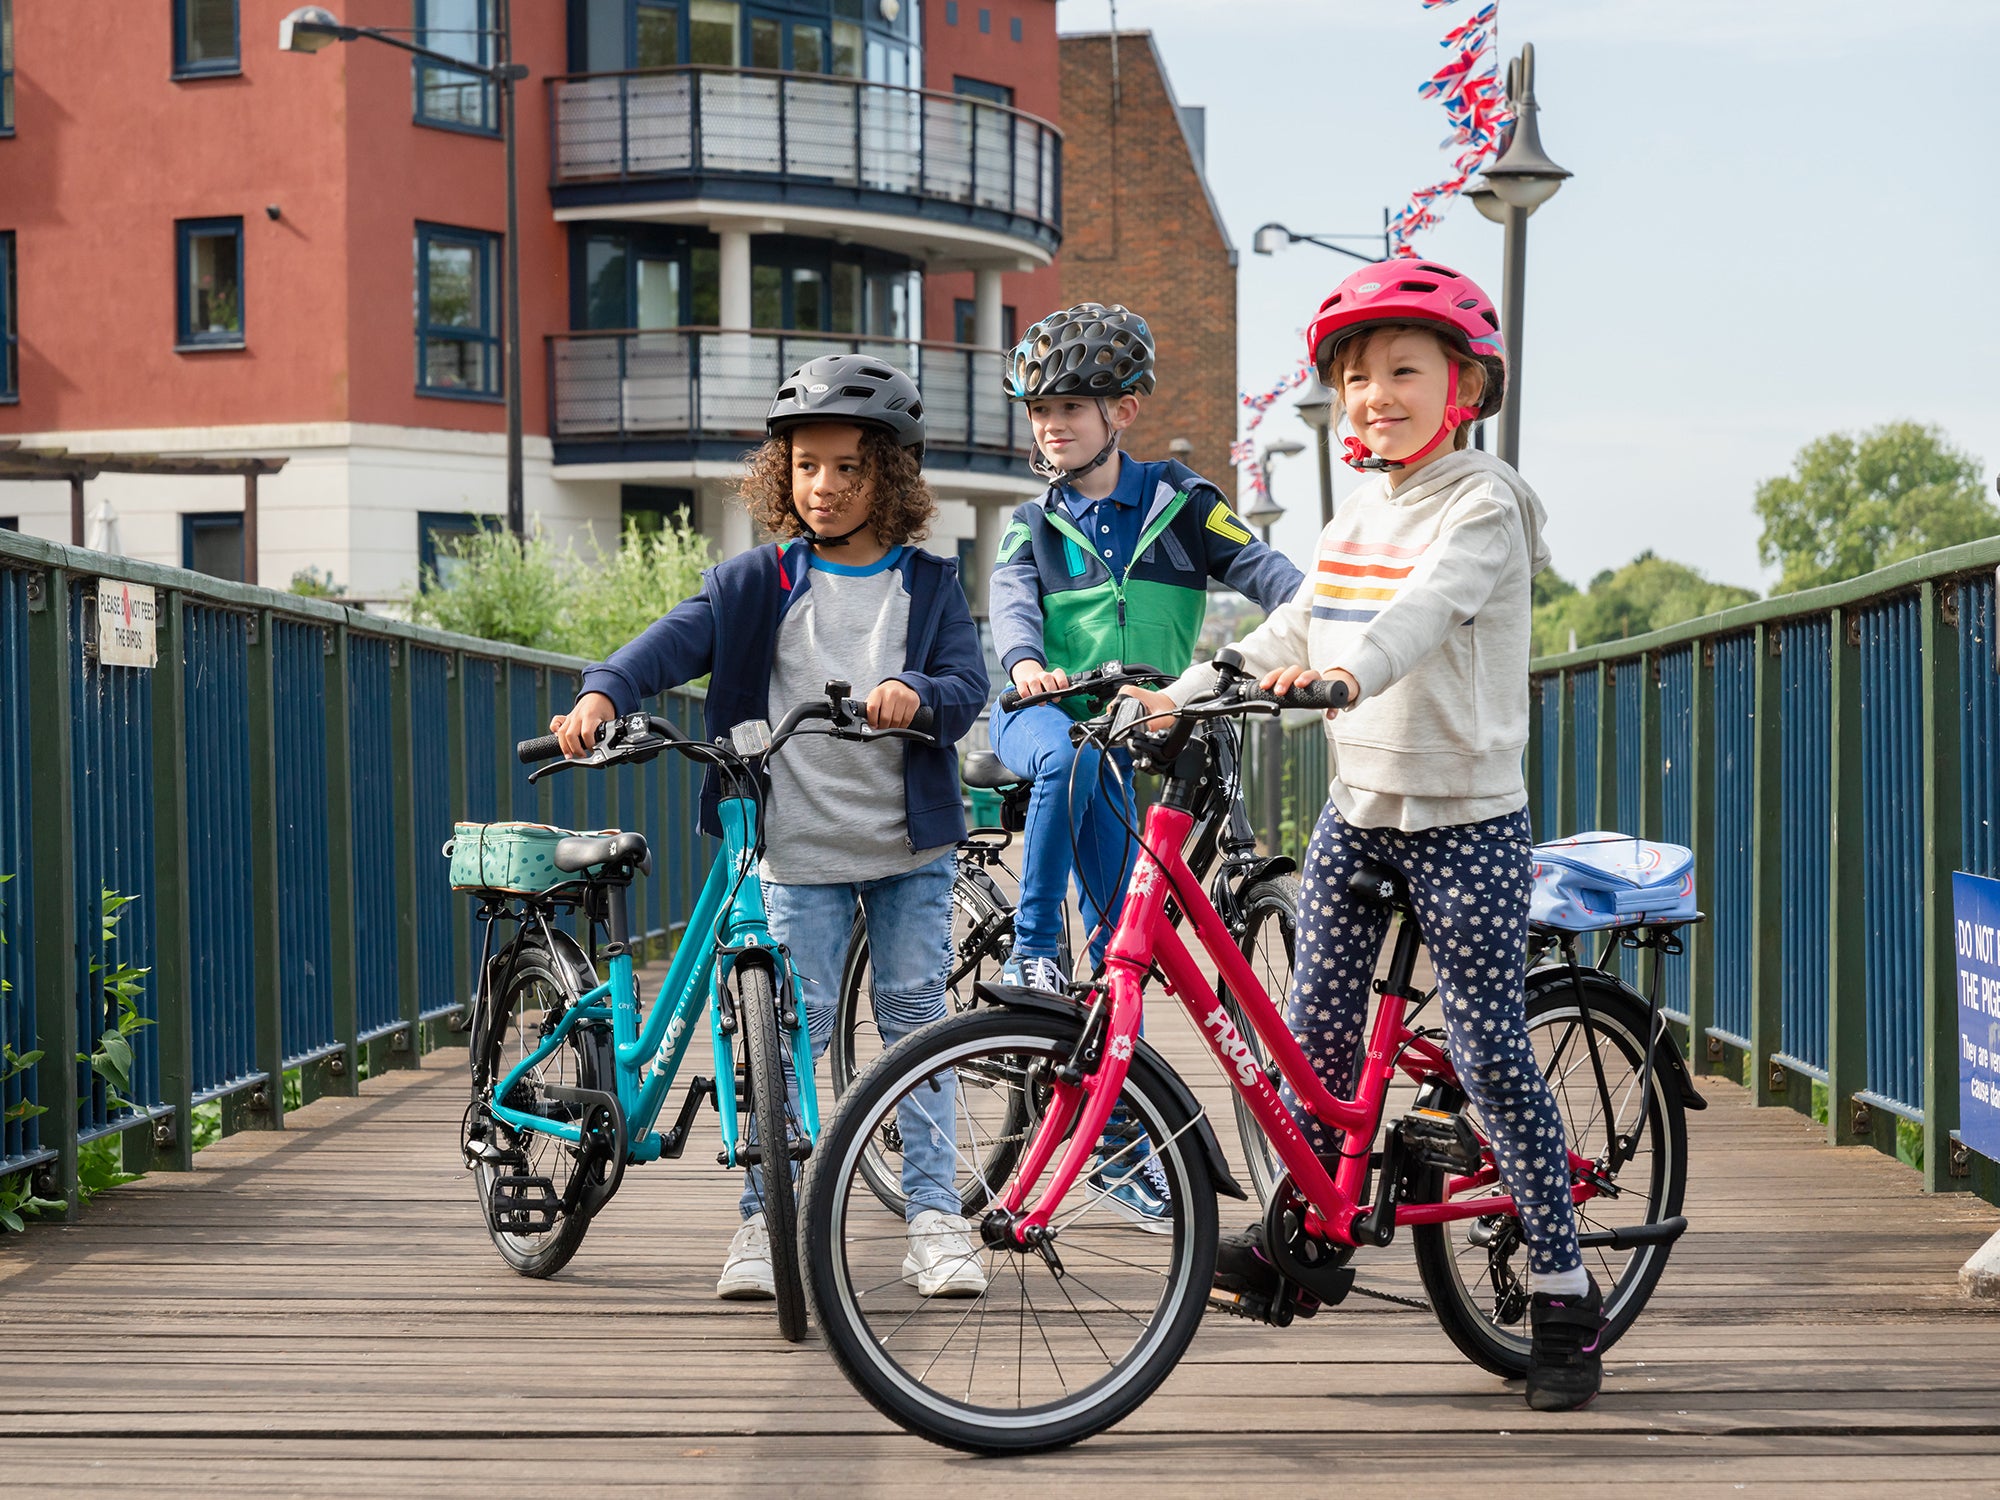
x=909 y=956
x=1034 y=742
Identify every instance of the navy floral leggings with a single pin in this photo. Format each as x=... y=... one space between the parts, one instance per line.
x=1469 y=883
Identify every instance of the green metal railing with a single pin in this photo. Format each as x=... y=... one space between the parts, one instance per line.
x=275 y=793
x=1831 y=757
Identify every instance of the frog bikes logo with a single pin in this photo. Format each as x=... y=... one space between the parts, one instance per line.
x=1229 y=1042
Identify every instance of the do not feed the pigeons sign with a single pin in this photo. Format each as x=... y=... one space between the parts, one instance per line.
x=1976 y=942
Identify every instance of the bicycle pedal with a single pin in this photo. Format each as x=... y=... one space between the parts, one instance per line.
x=1274 y=1312
x=1440 y=1139
x=521 y=1204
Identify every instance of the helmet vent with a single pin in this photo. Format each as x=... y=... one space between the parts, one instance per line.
x=1468 y=302
x=1445 y=271
x=857 y=390
x=874 y=374
x=1416 y=286
x=1492 y=319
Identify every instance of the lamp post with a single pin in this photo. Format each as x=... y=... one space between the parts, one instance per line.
x=1517 y=184
x=1271 y=238
x=1263 y=514
x=1316 y=411
x=1264 y=511
x=312 y=28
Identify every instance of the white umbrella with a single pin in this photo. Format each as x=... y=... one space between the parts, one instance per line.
x=103 y=534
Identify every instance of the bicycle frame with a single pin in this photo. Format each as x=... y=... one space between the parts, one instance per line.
x=1146 y=938
x=727 y=923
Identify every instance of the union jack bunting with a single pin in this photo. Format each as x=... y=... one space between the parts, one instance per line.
x=1475 y=105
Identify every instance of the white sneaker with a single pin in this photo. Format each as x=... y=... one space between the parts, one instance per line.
x=1035 y=973
x=943 y=1261
x=746 y=1273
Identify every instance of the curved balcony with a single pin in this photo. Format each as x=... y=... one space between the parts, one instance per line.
x=948 y=179
x=682 y=395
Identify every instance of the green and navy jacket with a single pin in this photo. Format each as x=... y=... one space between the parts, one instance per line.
x=1054 y=600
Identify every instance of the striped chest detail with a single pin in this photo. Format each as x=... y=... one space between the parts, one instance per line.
x=1355 y=580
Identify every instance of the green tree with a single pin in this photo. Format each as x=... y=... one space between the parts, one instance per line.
x=533 y=594
x=501 y=590
x=652 y=570
x=1649 y=593
x=1857 y=502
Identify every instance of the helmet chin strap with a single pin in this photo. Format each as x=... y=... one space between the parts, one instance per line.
x=813 y=539
x=1361 y=456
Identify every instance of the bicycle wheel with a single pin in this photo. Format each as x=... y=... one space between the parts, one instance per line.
x=1057 y=1346
x=1269 y=941
x=506 y=1028
x=757 y=1009
x=1476 y=1269
x=982 y=929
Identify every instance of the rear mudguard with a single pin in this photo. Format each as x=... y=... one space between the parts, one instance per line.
x=1179 y=1100
x=1666 y=1051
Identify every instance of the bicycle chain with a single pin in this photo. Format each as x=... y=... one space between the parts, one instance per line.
x=1368 y=1291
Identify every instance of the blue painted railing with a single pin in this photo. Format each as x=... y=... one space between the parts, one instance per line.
x=274 y=792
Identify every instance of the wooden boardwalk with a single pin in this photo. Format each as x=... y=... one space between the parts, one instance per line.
x=319 y=1312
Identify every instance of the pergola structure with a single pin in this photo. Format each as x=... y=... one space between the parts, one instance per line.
x=18 y=462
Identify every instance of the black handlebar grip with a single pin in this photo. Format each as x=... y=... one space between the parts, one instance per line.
x=924 y=721
x=1011 y=699
x=1326 y=693
x=541 y=747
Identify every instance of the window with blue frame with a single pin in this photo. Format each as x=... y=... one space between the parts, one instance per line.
x=209 y=256
x=458 y=312
x=212 y=543
x=6 y=67
x=440 y=537
x=206 y=38
x=979 y=88
x=10 y=373
x=446 y=97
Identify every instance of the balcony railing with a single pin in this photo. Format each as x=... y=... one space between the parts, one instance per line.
x=708 y=383
x=874 y=144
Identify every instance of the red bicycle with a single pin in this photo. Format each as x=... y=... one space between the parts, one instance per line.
x=1055 y=1097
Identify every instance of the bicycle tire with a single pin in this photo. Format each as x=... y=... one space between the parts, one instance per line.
x=1012 y=1043
x=976 y=956
x=1272 y=900
x=757 y=1013
x=1473 y=1319
x=535 y=981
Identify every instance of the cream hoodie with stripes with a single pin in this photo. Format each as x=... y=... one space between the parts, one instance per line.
x=1424 y=594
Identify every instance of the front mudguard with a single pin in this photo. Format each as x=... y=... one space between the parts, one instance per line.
x=1178 y=1099
x=1666 y=1051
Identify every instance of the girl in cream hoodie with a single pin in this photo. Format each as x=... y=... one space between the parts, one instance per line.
x=1418 y=600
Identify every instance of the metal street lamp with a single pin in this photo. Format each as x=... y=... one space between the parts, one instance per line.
x=1517 y=184
x=1269 y=239
x=313 y=28
x=1315 y=409
x=1264 y=510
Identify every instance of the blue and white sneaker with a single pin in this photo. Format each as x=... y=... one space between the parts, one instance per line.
x=1130 y=1178
x=1034 y=972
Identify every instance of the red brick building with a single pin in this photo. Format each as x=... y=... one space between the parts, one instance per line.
x=1143 y=229
x=211 y=246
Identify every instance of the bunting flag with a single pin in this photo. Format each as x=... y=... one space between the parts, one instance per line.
x=1468 y=87
x=1243 y=452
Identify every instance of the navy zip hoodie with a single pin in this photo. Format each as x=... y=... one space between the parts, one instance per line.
x=730 y=631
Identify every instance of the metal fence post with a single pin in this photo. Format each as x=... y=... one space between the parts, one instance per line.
x=1652 y=755
x=340 y=872
x=53 y=871
x=402 y=750
x=171 y=1147
x=1943 y=838
x=1846 y=959
x=1605 y=814
x=463 y=958
x=1701 y=789
x=1565 y=810
x=239 y=1112
x=1767 y=893
x=1532 y=759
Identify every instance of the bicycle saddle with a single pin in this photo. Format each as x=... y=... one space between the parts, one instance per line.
x=985 y=770
x=578 y=853
x=1371 y=881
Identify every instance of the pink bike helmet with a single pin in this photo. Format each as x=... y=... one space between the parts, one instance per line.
x=1415 y=291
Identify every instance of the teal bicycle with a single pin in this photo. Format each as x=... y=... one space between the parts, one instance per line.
x=569 y=1078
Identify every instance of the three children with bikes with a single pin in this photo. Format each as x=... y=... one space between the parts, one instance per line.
x=1416 y=603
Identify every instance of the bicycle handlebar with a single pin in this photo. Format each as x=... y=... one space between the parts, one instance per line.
x=1101 y=682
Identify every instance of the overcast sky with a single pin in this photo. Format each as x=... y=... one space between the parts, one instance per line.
x=1783 y=223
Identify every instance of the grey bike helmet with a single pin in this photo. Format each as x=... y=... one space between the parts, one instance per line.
x=857 y=388
x=1086 y=350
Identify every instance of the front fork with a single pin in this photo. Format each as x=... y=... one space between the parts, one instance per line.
x=725 y=1000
